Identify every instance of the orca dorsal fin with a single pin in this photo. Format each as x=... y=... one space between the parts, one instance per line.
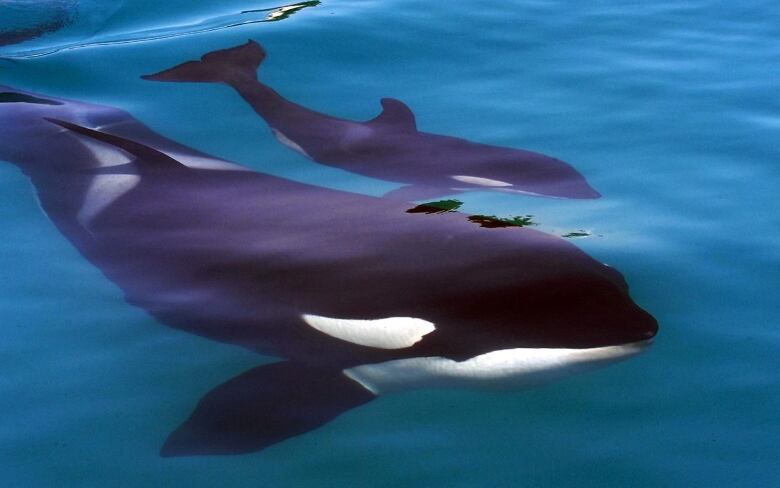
x=147 y=159
x=395 y=113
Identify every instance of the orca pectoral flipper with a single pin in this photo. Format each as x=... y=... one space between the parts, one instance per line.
x=147 y=159
x=263 y=406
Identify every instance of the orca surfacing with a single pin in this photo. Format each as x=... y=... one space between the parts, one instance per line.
x=356 y=297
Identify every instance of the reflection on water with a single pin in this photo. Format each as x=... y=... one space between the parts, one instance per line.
x=493 y=222
x=211 y=24
x=440 y=206
x=283 y=12
x=355 y=295
x=577 y=233
x=486 y=221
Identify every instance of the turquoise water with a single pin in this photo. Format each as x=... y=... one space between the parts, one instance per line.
x=670 y=110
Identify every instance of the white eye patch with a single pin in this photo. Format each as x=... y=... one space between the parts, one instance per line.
x=388 y=333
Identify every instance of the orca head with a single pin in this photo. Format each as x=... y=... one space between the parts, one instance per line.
x=525 y=172
x=541 y=358
x=575 y=309
x=521 y=336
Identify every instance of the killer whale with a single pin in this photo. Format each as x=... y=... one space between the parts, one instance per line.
x=356 y=297
x=387 y=147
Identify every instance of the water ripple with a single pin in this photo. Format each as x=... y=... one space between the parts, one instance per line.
x=246 y=17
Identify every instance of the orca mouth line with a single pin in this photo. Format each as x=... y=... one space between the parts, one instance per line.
x=11 y=97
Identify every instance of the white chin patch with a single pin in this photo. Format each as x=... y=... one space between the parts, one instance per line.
x=506 y=368
x=476 y=180
x=389 y=333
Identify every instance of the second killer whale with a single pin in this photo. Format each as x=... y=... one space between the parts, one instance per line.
x=387 y=147
x=354 y=296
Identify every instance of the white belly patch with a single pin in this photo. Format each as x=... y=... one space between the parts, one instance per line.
x=506 y=368
x=388 y=333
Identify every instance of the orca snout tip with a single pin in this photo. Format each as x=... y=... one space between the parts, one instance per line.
x=170 y=449
x=583 y=193
x=591 y=194
x=630 y=326
x=652 y=331
x=647 y=331
x=182 y=443
x=639 y=347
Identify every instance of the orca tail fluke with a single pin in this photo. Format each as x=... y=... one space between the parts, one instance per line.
x=219 y=66
x=263 y=406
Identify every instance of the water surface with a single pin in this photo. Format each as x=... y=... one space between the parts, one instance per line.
x=671 y=111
